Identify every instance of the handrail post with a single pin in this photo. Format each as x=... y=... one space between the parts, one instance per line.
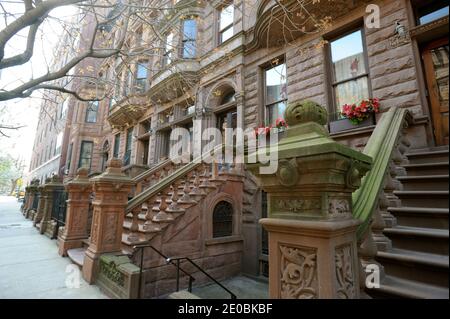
x=190 y=284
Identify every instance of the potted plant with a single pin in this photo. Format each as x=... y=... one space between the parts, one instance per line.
x=356 y=115
x=279 y=128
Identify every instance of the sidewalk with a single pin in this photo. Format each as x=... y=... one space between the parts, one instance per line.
x=30 y=267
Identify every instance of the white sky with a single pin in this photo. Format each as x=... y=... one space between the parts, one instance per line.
x=25 y=111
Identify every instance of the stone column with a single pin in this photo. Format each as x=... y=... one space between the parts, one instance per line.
x=312 y=234
x=77 y=213
x=111 y=197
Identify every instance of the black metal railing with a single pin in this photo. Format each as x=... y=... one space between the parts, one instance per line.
x=177 y=263
x=59 y=208
x=36 y=199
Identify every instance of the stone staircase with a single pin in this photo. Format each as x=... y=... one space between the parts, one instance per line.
x=417 y=265
x=158 y=213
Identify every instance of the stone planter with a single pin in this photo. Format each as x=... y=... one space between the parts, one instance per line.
x=345 y=124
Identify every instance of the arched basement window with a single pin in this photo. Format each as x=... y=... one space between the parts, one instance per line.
x=223 y=220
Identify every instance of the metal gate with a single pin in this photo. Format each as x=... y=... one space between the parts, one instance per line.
x=36 y=201
x=59 y=208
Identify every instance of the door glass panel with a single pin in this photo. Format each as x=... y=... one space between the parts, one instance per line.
x=440 y=63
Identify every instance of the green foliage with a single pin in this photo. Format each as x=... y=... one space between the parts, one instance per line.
x=10 y=172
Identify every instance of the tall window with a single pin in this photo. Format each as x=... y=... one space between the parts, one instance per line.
x=349 y=69
x=275 y=92
x=64 y=108
x=169 y=50
x=226 y=23
x=86 y=154
x=91 y=112
x=69 y=156
x=59 y=140
x=223 y=220
x=116 y=146
x=128 y=145
x=141 y=77
x=189 y=38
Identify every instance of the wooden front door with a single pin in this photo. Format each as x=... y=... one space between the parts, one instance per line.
x=435 y=58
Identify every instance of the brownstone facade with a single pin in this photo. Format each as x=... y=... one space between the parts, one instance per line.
x=227 y=82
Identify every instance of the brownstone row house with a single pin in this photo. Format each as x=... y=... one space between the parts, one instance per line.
x=238 y=64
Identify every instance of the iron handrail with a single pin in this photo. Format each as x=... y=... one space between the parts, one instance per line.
x=168 y=260
x=178 y=259
x=177 y=264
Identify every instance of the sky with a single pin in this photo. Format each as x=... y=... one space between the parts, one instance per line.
x=24 y=112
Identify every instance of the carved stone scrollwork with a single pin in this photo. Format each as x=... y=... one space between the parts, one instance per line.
x=344 y=272
x=287 y=172
x=298 y=273
x=353 y=175
x=339 y=208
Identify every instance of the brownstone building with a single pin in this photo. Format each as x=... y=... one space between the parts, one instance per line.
x=238 y=64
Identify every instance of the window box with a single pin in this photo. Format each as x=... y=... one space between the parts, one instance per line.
x=345 y=124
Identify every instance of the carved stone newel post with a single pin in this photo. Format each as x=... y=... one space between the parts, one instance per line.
x=312 y=234
x=111 y=191
x=77 y=213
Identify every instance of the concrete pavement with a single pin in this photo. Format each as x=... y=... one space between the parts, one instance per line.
x=30 y=267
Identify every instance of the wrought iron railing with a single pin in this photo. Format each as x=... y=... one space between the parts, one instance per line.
x=176 y=261
x=59 y=209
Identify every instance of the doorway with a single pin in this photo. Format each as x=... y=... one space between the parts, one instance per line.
x=435 y=59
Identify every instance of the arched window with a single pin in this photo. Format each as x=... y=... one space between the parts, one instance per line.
x=228 y=98
x=223 y=220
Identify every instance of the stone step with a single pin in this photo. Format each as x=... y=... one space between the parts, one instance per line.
x=427 y=156
x=435 y=199
x=411 y=265
x=427 y=240
x=435 y=168
x=77 y=256
x=394 y=288
x=424 y=182
x=421 y=216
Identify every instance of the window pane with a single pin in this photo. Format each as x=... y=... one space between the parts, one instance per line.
x=348 y=56
x=142 y=71
x=116 y=146
x=189 y=49
x=351 y=92
x=276 y=84
x=91 y=113
x=85 y=155
x=275 y=112
x=434 y=15
x=224 y=36
x=226 y=17
x=189 y=30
